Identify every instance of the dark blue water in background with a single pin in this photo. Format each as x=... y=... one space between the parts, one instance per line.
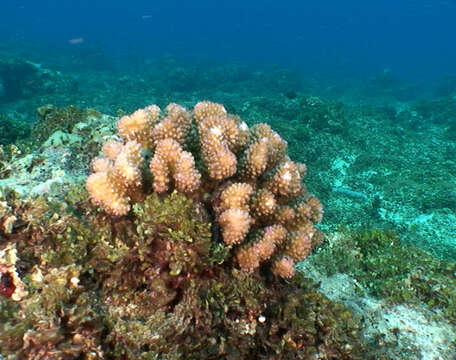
x=353 y=38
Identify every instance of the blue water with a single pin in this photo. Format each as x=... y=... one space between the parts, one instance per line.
x=364 y=93
x=353 y=38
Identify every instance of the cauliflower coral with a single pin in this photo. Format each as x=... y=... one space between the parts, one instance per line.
x=243 y=176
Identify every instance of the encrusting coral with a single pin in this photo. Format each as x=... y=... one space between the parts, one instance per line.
x=243 y=176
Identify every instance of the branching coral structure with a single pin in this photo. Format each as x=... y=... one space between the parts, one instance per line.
x=242 y=176
x=191 y=255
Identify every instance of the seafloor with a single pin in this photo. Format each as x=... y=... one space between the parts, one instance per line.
x=380 y=156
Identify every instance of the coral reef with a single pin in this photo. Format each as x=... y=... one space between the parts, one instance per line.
x=51 y=119
x=21 y=78
x=405 y=295
x=167 y=271
x=153 y=285
x=11 y=130
x=411 y=139
x=389 y=269
x=242 y=176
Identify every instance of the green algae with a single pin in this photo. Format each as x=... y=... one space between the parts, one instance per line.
x=389 y=269
x=155 y=285
x=176 y=221
x=52 y=119
x=322 y=115
x=12 y=130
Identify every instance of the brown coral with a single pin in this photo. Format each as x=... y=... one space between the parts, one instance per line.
x=103 y=192
x=112 y=149
x=242 y=176
x=286 y=180
x=220 y=137
x=299 y=244
x=283 y=267
x=174 y=126
x=114 y=181
x=250 y=255
x=138 y=126
x=220 y=161
x=264 y=203
x=236 y=196
x=171 y=162
x=204 y=109
x=235 y=225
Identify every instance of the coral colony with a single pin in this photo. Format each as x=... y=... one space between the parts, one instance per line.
x=189 y=253
x=242 y=176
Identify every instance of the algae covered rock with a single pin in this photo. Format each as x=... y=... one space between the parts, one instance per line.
x=11 y=130
x=20 y=78
x=155 y=285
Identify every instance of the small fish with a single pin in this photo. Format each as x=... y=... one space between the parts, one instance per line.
x=76 y=41
x=146 y=17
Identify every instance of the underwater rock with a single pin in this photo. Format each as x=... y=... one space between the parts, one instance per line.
x=20 y=78
x=55 y=163
x=12 y=130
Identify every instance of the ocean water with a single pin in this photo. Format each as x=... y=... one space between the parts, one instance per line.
x=363 y=92
x=412 y=38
